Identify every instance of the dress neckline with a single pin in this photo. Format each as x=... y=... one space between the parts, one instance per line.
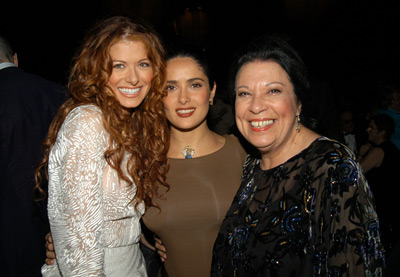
x=204 y=156
x=258 y=164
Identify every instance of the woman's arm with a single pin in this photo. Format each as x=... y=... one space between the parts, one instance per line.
x=76 y=200
x=347 y=221
x=372 y=159
x=364 y=150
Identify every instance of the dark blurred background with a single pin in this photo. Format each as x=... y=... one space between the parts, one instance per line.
x=349 y=46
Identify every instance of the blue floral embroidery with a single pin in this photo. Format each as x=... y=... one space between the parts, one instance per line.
x=291 y=220
x=236 y=241
x=246 y=192
x=302 y=218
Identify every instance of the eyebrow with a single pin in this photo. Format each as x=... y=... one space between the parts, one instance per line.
x=189 y=80
x=266 y=85
x=123 y=61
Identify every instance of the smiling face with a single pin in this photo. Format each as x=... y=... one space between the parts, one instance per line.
x=132 y=72
x=266 y=106
x=187 y=103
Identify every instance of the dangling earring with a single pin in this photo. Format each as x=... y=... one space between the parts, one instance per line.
x=298 y=124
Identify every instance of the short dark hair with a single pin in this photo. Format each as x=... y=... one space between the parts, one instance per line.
x=384 y=123
x=277 y=49
x=194 y=52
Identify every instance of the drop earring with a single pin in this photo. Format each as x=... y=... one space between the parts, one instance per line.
x=298 y=124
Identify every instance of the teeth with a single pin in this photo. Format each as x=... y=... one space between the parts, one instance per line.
x=184 y=111
x=129 y=90
x=260 y=124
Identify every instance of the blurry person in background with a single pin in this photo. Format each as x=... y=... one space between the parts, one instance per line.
x=380 y=159
x=393 y=110
x=351 y=133
x=28 y=104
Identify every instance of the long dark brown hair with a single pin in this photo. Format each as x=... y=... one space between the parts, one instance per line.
x=143 y=131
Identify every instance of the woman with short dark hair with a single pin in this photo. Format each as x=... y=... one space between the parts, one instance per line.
x=304 y=207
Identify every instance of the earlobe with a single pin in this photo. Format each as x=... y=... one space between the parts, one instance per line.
x=15 y=59
x=299 y=107
x=212 y=94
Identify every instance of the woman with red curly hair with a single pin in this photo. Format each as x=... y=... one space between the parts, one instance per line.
x=106 y=151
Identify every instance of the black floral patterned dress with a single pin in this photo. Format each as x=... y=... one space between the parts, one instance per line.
x=314 y=215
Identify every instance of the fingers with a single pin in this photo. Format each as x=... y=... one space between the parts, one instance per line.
x=49 y=261
x=159 y=245
x=49 y=243
x=49 y=238
x=49 y=246
x=50 y=254
x=161 y=251
x=162 y=255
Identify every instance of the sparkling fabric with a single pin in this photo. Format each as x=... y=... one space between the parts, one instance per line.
x=93 y=221
x=313 y=215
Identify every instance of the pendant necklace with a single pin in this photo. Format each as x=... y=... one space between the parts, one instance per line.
x=188 y=151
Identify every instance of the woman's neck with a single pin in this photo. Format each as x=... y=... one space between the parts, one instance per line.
x=276 y=156
x=201 y=139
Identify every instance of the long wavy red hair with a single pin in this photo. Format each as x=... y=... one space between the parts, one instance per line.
x=143 y=131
